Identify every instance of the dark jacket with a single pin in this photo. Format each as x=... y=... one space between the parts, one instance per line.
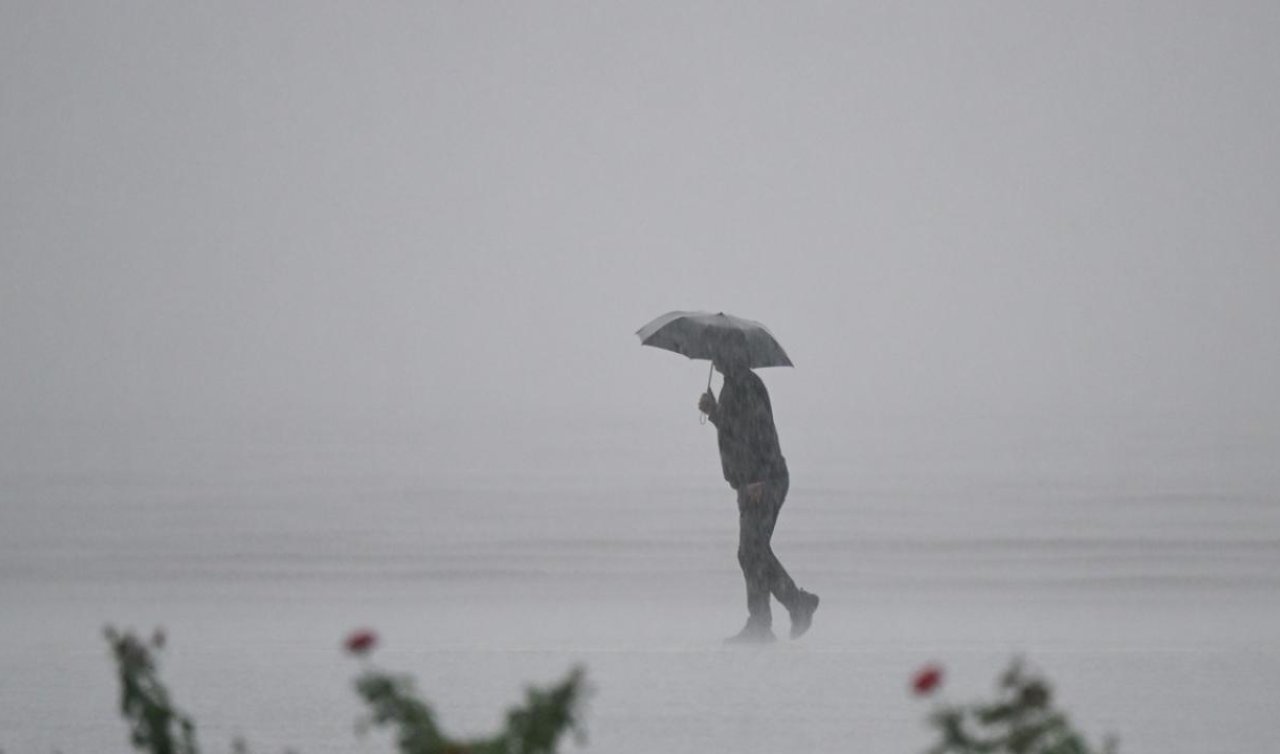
x=749 y=450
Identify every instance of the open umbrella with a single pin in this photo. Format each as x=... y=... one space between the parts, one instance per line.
x=703 y=335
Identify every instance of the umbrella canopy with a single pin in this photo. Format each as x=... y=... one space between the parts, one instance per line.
x=703 y=335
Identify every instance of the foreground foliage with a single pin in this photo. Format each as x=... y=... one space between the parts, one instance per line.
x=1022 y=719
x=534 y=728
x=155 y=725
x=159 y=727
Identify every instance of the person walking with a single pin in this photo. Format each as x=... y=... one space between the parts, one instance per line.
x=753 y=466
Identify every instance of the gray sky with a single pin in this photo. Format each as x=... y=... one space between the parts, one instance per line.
x=437 y=208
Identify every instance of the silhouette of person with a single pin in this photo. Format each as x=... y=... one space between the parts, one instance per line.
x=753 y=466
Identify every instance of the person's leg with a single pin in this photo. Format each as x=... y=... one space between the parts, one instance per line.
x=774 y=575
x=754 y=528
x=753 y=524
x=799 y=603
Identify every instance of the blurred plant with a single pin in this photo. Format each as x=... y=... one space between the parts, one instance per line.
x=534 y=728
x=157 y=726
x=1021 y=719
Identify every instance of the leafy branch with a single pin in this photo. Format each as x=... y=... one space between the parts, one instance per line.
x=157 y=726
x=1021 y=720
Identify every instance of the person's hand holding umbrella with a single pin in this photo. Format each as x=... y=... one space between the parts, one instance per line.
x=707 y=404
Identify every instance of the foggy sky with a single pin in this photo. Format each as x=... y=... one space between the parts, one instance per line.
x=444 y=208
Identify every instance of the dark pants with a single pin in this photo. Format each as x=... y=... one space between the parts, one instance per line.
x=760 y=567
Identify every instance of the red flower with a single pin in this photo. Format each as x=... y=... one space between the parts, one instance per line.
x=926 y=680
x=360 y=642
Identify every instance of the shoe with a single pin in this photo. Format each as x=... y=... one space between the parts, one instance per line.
x=752 y=633
x=802 y=614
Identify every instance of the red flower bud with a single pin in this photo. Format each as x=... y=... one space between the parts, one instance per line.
x=360 y=642
x=926 y=680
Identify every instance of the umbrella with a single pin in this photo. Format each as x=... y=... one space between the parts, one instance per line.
x=703 y=335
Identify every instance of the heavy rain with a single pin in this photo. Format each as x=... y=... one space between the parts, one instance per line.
x=318 y=358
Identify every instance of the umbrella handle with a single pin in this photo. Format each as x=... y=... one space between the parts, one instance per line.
x=702 y=418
